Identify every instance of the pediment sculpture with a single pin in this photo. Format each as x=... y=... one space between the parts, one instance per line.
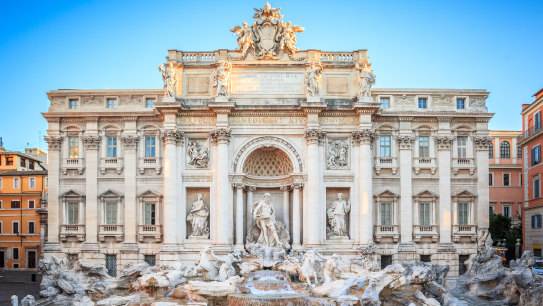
x=269 y=36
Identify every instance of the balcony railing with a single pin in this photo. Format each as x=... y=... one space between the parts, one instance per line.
x=531 y=131
x=72 y=230
x=115 y=163
x=336 y=56
x=111 y=230
x=463 y=163
x=425 y=163
x=73 y=164
x=425 y=231
x=385 y=163
x=149 y=231
x=386 y=231
x=150 y=163
x=464 y=230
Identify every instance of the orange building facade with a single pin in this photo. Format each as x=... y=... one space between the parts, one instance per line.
x=531 y=141
x=23 y=198
x=505 y=175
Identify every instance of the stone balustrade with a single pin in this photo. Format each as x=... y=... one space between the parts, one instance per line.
x=111 y=230
x=150 y=231
x=425 y=231
x=464 y=230
x=115 y=163
x=73 y=164
x=72 y=230
x=385 y=163
x=420 y=163
x=150 y=163
x=386 y=231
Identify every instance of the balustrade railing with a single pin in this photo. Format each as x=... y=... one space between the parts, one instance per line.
x=337 y=57
x=195 y=57
x=149 y=231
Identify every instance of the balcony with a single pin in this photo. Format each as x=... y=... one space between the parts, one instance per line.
x=73 y=164
x=150 y=231
x=464 y=230
x=386 y=231
x=463 y=163
x=115 y=163
x=72 y=230
x=111 y=230
x=385 y=163
x=424 y=163
x=531 y=131
x=425 y=231
x=150 y=163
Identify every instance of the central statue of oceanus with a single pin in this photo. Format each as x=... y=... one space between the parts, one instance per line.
x=266 y=232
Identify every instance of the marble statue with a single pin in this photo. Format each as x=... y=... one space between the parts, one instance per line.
x=245 y=38
x=312 y=76
x=266 y=231
x=222 y=78
x=170 y=79
x=338 y=156
x=287 y=38
x=337 y=217
x=367 y=79
x=198 y=217
x=310 y=267
x=205 y=264
x=226 y=269
x=331 y=268
x=197 y=154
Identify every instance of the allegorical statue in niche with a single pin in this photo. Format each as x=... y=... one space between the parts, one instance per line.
x=337 y=154
x=198 y=217
x=170 y=79
x=266 y=232
x=245 y=38
x=312 y=76
x=197 y=154
x=222 y=78
x=367 y=79
x=337 y=215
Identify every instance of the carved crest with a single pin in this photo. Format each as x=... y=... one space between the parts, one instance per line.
x=268 y=37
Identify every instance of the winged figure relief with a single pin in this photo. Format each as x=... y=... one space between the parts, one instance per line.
x=245 y=38
x=287 y=38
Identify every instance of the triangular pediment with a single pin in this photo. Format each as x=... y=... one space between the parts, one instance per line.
x=110 y=194
x=150 y=194
x=387 y=194
x=72 y=194
x=464 y=194
x=426 y=194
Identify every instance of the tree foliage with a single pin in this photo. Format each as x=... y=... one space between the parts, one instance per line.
x=500 y=229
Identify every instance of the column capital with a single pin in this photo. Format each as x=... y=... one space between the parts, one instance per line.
x=444 y=142
x=130 y=142
x=405 y=141
x=250 y=188
x=297 y=185
x=171 y=136
x=313 y=136
x=53 y=142
x=220 y=135
x=482 y=143
x=239 y=186
x=284 y=188
x=363 y=136
x=91 y=142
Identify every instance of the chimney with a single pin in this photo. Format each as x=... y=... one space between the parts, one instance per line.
x=2 y=149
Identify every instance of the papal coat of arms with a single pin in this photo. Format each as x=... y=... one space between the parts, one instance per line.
x=269 y=36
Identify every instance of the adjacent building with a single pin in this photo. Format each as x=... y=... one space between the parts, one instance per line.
x=23 y=198
x=505 y=175
x=531 y=141
x=158 y=174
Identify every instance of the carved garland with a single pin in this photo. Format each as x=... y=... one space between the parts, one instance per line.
x=271 y=140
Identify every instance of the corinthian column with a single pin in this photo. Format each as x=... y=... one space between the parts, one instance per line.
x=223 y=203
x=53 y=205
x=312 y=206
x=444 y=144
x=91 y=143
x=405 y=144
x=170 y=138
x=239 y=214
x=286 y=197
x=130 y=143
x=296 y=214
x=364 y=138
x=482 y=144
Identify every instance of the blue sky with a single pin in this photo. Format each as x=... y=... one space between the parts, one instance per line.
x=45 y=45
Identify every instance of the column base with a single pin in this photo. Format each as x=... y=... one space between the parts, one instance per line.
x=446 y=247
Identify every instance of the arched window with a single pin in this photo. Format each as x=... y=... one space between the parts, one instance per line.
x=505 y=150
x=491 y=150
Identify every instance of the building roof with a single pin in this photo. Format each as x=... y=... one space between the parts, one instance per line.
x=20 y=173
x=28 y=156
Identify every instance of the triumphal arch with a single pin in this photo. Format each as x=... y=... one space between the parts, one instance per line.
x=263 y=146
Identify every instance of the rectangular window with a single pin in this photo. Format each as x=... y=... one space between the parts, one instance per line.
x=23 y=162
x=0 y=227
x=491 y=179
x=424 y=214
x=537 y=121
x=384 y=146
x=1 y=183
x=463 y=213
x=426 y=258
x=424 y=146
x=31 y=164
x=31 y=203
x=149 y=103
x=150 y=146
x=385 y=102
x=423 y=102
x=74 y=104
x=462 y=263
x=150 y=259
x=536 y=221
x=9 y=160
x=15 y=204
x=15 y=253
x=111 y=213
x=111 y=146
x=73 y=147
x=506 y=177
x=519 y=151
x=150 y=214
x=491 y=151
x=111 y=103
x=491 y=209
x=386 y=213
x=2 y=259
x=31 y=227
x=16 y=183
x=72 y=209
x=507 y=211
x=386 y=260
x=536 y=188
x=460 y=103
x=462 y=146
x=111 y=265
x=520 y=179
x=15 y=227
x=32 y=183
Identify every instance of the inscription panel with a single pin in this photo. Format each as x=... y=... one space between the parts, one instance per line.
x=267 y=83
x=186 y=120
x=337 y=85
x=198 y=85
x=267 y=120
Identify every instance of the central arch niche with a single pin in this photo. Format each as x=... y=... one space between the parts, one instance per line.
x=268 y=162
